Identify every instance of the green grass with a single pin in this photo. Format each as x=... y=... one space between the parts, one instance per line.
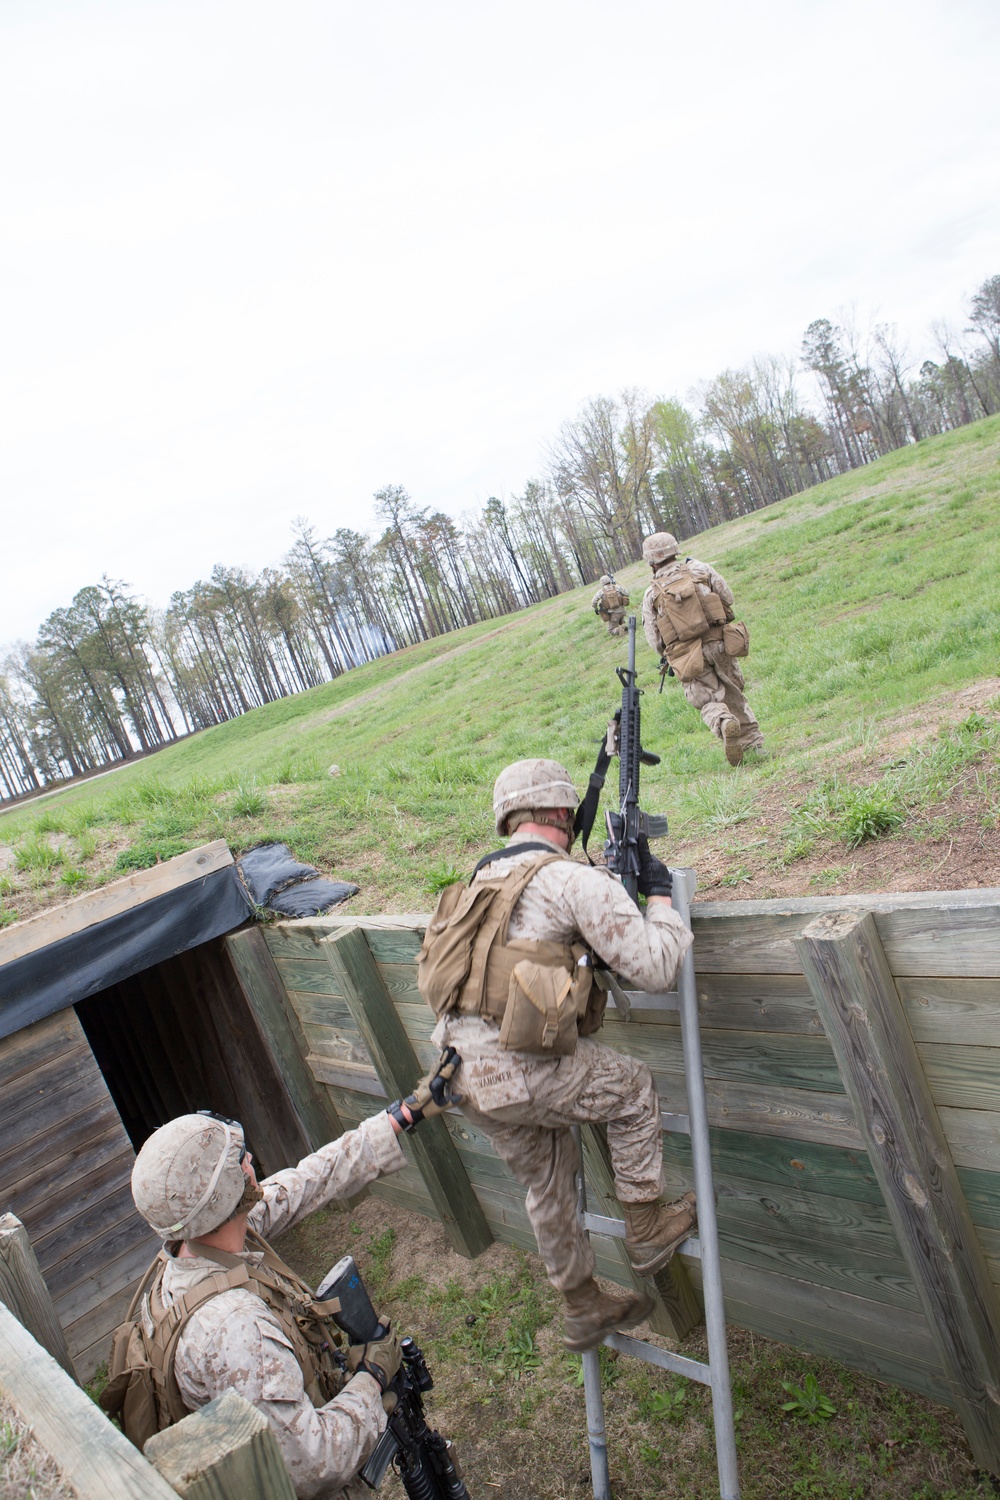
x=867 y=598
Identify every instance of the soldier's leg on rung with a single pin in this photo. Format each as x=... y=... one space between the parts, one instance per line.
x=546 y=1161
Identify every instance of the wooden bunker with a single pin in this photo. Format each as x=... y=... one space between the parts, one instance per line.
x=852 y=1057
x=119 y=1010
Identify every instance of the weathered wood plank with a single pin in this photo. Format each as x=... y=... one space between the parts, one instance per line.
x=396 y=945
x=393 y=1056
x=24 y=1293
x=775 y=1058
x=952 y=1010
x=850 y=978
x=97 y=1459
x=804 y=1166
x=225 y=1451
x=973 y=1136
x=265 y=993
x=347 y=1074
x=133 y=890
x=931 y=938
x=309 y=976
x=960 y=1076
x=889 y=1343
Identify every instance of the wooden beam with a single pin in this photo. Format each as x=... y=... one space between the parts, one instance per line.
x=396 y=1063
x=224 y=1451
x=261 y=983
x=23 y=1290
x=98 y=1460
x=111 y=900
x=853 y=987
x=676 y=1309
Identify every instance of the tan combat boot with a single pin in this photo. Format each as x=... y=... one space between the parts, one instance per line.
x=591 y=1313
x=731 y=732
x=654 y=1230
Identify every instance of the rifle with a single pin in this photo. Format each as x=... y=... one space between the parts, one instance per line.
x=621 y=852
x=424 y=1460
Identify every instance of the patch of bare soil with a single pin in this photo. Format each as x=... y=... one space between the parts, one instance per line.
x=521 y=1433
x=27 y=1472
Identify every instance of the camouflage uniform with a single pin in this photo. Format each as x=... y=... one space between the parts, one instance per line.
x=233 y=1342
x=719 y=693
x=613 y=614
x=526 y=1103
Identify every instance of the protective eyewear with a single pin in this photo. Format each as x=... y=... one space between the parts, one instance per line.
x=225 y=1120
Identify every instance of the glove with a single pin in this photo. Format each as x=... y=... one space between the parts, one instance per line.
x=379 y=1358
x=666 y=668
x=432 y=1095
x=654 y=877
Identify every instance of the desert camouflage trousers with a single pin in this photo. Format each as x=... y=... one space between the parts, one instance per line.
x=527 y=1105
x=719 y=695
x=615 y=621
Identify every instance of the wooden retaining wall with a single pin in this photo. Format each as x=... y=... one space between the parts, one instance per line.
x=811 y=1252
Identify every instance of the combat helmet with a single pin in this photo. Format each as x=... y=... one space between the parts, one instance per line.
x=188 y=1178
x=606 y=578
x=659 y=547
x=530 y=786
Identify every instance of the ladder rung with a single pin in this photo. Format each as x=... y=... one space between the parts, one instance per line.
x=693 y=1369
x=615 y=1229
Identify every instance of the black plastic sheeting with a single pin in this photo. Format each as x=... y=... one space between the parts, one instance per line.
x=74 y=967
x=276 y=880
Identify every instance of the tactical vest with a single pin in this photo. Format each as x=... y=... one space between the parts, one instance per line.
x=142 y=1390
x=541 y=992
x=686 y=618
x=612 y=598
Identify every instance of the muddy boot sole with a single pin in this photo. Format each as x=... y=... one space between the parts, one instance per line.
x=731 y=740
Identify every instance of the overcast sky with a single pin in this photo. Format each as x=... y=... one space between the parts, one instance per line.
x=259 y=260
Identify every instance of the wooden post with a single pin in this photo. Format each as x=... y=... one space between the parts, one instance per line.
x=857 y=999
x=396 y=1062
x=676 y=1309
x=261 y=983
x=23 y=1290
x=98 y=1460
x=224 y=1451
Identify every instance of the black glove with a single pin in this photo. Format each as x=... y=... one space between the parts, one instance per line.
x=654 y=877
x=379 y=1358
x=432 y=1094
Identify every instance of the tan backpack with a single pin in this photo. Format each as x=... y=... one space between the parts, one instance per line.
x=683 y=612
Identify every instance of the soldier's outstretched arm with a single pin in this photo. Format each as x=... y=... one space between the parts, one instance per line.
x=337 y=1170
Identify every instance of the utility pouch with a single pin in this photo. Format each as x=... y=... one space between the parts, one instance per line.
x=680 y=607
x=715 y=610
x=687 y=660
x=541 y=1011
x=130 y=1394
x=446 y=955
x=735 y=638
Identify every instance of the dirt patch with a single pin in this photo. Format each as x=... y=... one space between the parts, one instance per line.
x=27 y=1472
x=519 y=1423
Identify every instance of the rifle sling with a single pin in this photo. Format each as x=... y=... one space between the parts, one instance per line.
x=583 y=823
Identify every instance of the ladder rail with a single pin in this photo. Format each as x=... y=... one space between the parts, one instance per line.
x=708 y=1229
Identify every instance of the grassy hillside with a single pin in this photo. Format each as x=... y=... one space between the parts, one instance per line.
x=874 y=608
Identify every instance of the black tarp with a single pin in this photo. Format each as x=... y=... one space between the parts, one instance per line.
x=73 y=967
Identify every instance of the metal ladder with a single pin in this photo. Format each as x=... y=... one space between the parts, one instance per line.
x=705 y=1245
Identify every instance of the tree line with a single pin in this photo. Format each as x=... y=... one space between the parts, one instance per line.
x=109 y=677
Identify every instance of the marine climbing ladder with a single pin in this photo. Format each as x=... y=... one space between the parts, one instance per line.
x=704 y=1245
